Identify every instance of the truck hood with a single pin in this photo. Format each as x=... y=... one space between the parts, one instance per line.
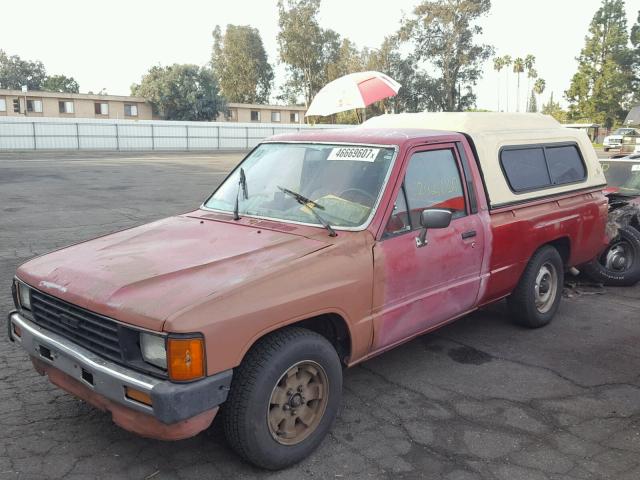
x=145 y=274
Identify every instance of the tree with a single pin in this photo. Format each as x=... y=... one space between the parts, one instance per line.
x=532 y=104
x=538 y=89
x=15 y=72
x=529 y=64
x=418 y=92
x=507 y=61
x=635 y=42
x=181 y=92
x=240 y=64
x=443 y=33
x=600 y=90
x=553 y=108
x=348 y=59
x=498 y=64
x=518 y=68
x=60 y=83
x=305 y=48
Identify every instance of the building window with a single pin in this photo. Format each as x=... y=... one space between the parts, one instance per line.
x=275 y=116
x=65 y=107
x=255 y=116
x=294 y=117
x=16 y=105
x=130 y=110
x=34 y=106
x=3 y=105
x=101 y=108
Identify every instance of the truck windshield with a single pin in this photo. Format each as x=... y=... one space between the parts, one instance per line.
x=343 y=182
x=624 y=175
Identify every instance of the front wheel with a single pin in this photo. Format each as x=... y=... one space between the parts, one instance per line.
x=536 y=298
x=283 y=398
x=619 y=264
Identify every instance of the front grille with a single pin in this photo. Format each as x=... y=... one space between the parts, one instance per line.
x=87 y=329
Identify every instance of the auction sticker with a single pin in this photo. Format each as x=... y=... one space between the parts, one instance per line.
x=358 y=154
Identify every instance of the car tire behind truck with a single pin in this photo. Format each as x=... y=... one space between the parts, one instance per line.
x=284 y=398
x=536 y=298
x=619 y=264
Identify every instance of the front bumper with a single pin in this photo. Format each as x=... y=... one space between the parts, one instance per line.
x=103 y=383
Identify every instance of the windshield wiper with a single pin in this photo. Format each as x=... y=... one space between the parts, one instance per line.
x=242 y=185
x=311 y=205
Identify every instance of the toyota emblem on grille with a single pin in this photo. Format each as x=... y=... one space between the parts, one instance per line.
x=68 y=321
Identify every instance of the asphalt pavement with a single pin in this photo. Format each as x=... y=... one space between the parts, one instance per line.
x=478 y=399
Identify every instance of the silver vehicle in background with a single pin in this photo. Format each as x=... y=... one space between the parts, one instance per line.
x=615 y=140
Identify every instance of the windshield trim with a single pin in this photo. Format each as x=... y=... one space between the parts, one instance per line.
x=359 y=228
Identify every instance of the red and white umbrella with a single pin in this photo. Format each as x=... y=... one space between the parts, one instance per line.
x=356 y=90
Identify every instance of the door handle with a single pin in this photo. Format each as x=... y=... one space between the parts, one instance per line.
x=469 y=234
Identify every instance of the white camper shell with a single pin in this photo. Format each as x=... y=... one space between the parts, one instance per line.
x=491 y=133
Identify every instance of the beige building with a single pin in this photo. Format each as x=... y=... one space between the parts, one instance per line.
x=248 y=113
x=72 y=105
x=80 y=105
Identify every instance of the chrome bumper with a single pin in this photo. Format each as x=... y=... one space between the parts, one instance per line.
x=172 y=402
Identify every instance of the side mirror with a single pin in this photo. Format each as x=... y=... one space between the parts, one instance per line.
x=432 y=218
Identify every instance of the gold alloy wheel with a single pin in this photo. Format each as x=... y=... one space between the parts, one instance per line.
x=298 y=402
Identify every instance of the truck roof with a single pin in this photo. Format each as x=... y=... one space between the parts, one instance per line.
x=489 y=133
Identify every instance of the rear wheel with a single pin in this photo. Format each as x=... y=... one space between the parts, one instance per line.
x=619 y=264
x=283 y=398
x=536 y=298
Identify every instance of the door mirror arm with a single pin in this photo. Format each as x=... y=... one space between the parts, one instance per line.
x=432 y=218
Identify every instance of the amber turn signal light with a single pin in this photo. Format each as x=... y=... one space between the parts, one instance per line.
x=185 y=358
x=17 y=331
x=137 y=395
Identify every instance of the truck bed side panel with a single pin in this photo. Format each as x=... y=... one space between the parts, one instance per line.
x=519 y=231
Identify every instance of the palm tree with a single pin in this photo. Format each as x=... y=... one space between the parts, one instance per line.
x=539 y=87
x=529 y=62
x=498 y=63
x=518 y=68
x=506 y=62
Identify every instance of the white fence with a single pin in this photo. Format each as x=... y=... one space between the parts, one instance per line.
x=22 y=133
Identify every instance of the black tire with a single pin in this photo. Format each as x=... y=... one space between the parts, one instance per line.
x=619 y=264
x=524 y=300
x=606 y=149
x=246 y=412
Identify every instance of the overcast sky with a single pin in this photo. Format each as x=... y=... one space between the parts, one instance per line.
x=111 y=44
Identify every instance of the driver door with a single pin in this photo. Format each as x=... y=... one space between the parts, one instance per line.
x=418 y=288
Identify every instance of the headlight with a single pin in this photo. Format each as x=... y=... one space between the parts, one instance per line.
x=24 y=296
x=154 y=350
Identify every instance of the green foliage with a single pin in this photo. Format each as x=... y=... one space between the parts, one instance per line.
x=306 y=49
x=601 y=89
x=635 y=42
x=418 y=91
x=181 y=92
x=533 y=103
x=61 y=83
x=240 y=64
x=443 y=34
x=553 y=108
x=15 y=72
x=348 y=59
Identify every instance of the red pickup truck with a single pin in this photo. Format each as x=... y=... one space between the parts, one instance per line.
x=319 y=251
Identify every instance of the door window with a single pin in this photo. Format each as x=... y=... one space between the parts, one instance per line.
x=432 y=181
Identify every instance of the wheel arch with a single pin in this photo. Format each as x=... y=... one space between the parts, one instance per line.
x=563 y=246
x=331 y=325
